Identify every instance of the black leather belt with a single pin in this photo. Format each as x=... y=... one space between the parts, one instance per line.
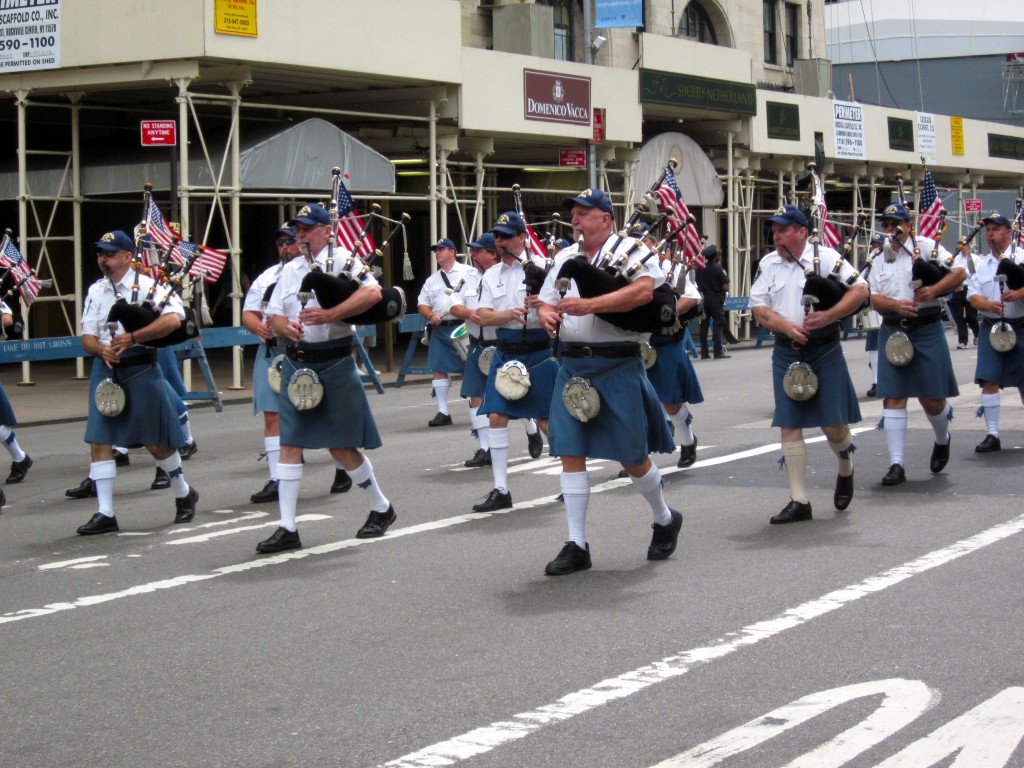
x=613 y=350
x=1014 y=322
x=523 y=348
x=912 y=323
x=813 y=341
x=478 y=342
x=144 y=358
x=321 y=355
x=449 y=323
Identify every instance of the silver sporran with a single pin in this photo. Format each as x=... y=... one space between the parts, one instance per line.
x=648 y=354
x=274 y=374
x=512 y=380
x=305 y=390
x=1002 y=337
x=581 y=399
x=484 y=361
x=110 y=398
x=899 y=350
x=800 y=382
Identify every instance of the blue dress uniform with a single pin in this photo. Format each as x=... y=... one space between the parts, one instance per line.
x=20 y=461
x=264 y=399
x=437 y=293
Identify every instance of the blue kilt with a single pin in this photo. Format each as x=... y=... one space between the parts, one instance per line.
x=264 y=399
x=441 y=354
x=168 y=363
x=673 y=376
x=929 y=374
x=630 y=425
x=149 y=416
x=542 y=367
x=871 y=340
x=473 y=380
x=343 y=418
x=836 y=401
x=1003 y=368
x=6 y=411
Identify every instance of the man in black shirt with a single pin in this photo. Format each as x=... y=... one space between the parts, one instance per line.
x=712 y=282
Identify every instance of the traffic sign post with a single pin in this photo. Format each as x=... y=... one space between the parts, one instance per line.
x=572 y=158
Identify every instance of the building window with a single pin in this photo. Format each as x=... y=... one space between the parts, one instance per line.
x=771 y=46
x=696 y=25
x=792 y=33
x=563 y=13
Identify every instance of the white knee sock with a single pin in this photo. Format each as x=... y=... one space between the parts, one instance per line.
x=272 y=445
x=682 y=420
x=795 y=454
x=499 y=457
x=576 y=492
x=873 y=365
x=482 y=425
x=940 y=423
x=186 y=427
x=531 y=426
x=289 y=478
x=844 y=453
x=172 y=466
x=441 y=387
x=991 y=405
x=895 y=421
x=11 y=443
x=103 y=474
x=363 y=477
x=649 y=487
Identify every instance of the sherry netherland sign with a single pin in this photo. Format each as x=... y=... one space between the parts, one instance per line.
x=29 y=35
x=556 y=98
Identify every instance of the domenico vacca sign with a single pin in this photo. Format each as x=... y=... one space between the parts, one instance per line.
x=556 y=98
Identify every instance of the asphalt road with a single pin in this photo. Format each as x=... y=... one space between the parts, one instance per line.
x=889 y=634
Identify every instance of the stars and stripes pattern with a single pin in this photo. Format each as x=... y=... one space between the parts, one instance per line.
x=209 y=264
x=12 y=260
x=829 y=234
x=669 y=195
x=350 y=226
x=930 y=222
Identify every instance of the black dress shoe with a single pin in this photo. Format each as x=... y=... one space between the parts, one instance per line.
x=989 y=444
x=481 y=458
x=664 y=538
x=873 y=391
x=571 y=559
x=895 y=475
x=622 y=473
x=83 y=490
x=161 y=482
x=98 y=524
x=377 y=524
x=188 y=450
x=688 y=454
x=280 y=540
x=722 y=356
x=342 y=482
x=536 y=444
x=440 y=420
x=940 y=456
x=844 y=492
x=186 y=506
x=705 y=356
x=19 y=469
x=268 y=494
x=794 y=512
x=121 y=459
x=3 y=497
x=495 y=500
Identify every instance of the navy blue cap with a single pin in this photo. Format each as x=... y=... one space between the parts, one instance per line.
x=444 y=242
x=789 y=214
x=561 y=243
x=590 y=198
x=311 y=215
x=509 y=223
x=485 y=241
x=997 y=218
x=896 y=211
x=286 y=231
x=114 y=241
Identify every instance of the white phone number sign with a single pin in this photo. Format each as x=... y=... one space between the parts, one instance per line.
x=848 y=122
x=29 y=35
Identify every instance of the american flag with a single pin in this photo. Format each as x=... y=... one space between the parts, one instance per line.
x=210 y=263
x=689 y=239
x=350 y=226
x=929 y=222
x=12 y=259
x=829 y=236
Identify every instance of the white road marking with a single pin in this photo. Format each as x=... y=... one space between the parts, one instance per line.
x=487 y=738
x=218 y=523
x=70 y=563
x=245 y=528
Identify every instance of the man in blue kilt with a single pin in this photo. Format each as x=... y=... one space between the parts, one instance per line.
x=912 y=316
x=522 y=373
x=136 y=409
x=20 y=461
x=807 y=340
x=483 y=254
x=435 y=304
x=603 y=405
x=322 y=402
x=995 y=302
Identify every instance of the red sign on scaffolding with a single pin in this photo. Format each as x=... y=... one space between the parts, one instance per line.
x=159 y=133
x=972 y=205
